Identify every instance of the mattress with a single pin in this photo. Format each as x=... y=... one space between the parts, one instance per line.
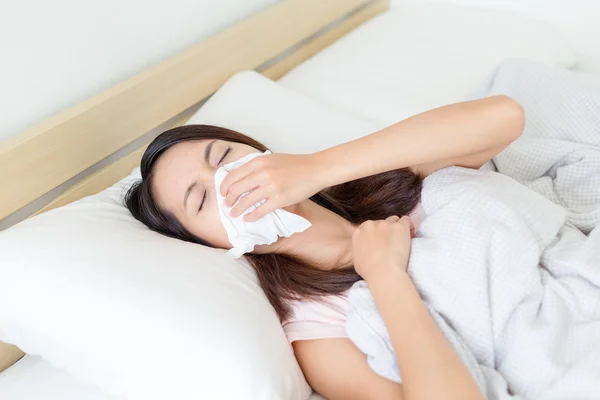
x=33 y=378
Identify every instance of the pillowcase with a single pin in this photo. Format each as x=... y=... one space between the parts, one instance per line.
x=415 y=58
x=282 y=119
x=33 y=378
x=143 y=316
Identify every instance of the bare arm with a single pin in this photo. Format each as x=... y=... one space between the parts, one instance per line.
x=338 y=370
x=467 y=134
x=430 y=367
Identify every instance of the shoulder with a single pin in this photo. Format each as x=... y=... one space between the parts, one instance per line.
x=317 y=319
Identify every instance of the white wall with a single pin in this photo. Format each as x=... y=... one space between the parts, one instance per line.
x=54 y=54
x=578 y=20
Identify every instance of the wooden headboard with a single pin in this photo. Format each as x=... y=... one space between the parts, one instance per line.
x=46 y=156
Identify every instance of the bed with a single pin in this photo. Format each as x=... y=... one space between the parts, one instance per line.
x=110 y=130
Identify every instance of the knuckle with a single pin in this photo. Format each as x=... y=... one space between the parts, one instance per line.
x=224 y=187
x=239 y=206
x=230 y=178
x=243 y=203
x=233 y=190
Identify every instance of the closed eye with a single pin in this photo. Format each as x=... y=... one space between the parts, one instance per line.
x=201 y=203
x=224 y=155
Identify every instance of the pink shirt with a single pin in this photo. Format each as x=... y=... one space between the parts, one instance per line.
x=323 y=319
x=326 y=319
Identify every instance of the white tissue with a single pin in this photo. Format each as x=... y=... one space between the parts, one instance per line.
x=243 y=235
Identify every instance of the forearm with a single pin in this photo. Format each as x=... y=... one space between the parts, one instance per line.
x=430 y=367
x=448 y=132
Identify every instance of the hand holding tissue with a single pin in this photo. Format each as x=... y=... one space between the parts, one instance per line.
x=243 y=235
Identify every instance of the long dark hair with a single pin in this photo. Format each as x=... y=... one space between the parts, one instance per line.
x=283 y=278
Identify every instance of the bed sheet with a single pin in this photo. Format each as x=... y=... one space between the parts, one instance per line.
x=414 y=58
x=33 y=378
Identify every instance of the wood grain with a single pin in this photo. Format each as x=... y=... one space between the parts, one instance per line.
x=9 y=355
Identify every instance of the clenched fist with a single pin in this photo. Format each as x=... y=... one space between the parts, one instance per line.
x=382 y=247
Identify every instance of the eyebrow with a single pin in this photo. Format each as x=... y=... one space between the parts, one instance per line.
x=193 y=184
x=187 y=193
x=207 y=151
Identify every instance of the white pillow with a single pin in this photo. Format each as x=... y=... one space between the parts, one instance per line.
x=281 y=119
x=415 y=58
x=92 y=290
x=33 y=378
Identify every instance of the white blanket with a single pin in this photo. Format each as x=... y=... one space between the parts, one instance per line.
x=511 y=271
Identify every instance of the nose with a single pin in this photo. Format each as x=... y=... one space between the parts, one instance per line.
x=207 y=176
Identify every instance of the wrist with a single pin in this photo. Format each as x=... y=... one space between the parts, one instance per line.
x=386 y=276
x=395 y=288
x=323 y=169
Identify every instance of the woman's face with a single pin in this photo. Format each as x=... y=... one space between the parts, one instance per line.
x=184 y=184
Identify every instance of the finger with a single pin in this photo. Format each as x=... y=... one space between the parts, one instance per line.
x=240 y=187
x=406 y=219
x=393 y=218
x=260 y=211
x=247 y=201
x=234 y=176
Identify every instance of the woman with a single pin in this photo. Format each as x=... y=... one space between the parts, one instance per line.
x=353 y=194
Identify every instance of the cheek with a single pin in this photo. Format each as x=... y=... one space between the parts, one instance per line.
x=208 y=226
